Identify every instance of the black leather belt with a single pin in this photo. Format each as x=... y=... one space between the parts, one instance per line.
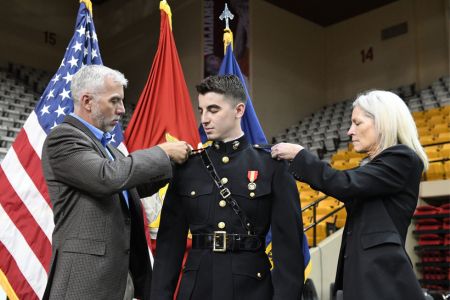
x=221 y=241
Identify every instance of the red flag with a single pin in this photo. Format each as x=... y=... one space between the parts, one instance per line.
x=164 y=106
x=164 y=110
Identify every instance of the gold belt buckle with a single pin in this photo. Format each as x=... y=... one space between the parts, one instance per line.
x=219 y=241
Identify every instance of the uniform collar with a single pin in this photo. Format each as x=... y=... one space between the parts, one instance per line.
x=231 y=146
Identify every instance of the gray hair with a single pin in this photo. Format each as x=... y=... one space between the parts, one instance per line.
x=393 y=121
x=91 y=78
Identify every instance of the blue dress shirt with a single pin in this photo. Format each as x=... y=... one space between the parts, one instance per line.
x=104 y=138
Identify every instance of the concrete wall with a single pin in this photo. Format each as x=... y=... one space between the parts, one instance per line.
x=420 y=56
x=324 y=260
x=134 y=49
x=287 y=66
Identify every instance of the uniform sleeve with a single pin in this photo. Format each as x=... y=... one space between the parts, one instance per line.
x=385 y=174
x=287 y=237
x=74 y=160
x=170 y=246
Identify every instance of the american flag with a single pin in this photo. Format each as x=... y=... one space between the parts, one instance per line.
x=26 y=218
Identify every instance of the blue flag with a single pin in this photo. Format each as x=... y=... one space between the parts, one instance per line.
x=250 y=124
x=255 y=135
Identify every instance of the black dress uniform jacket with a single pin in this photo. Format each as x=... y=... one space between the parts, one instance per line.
x=380 y=198
x=193 y=202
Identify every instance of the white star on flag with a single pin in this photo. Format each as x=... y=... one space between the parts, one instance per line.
x=81 y=31
x=56 y=78
x=73 y=62
x=44 y=110
x=68 y=77
x=94 y=53
x=64 y=94
x=60 y=110
x=50 y=94
x=77 y=47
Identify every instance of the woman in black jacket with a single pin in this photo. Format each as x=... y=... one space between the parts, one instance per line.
x=380 y=197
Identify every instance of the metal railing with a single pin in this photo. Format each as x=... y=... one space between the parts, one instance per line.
x=315 y=222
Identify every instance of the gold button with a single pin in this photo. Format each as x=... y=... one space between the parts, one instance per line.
x=224 y=180
x=252 y=194
x=221 y=225
x=225 y=159
x=222 y=203
x=258 y=275
x=193 y=193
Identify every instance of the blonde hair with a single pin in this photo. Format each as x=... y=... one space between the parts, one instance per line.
x=393 y=121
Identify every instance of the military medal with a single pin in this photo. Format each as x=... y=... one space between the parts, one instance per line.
x=252 y=176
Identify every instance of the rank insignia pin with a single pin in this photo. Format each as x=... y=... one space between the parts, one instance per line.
x=252 y=176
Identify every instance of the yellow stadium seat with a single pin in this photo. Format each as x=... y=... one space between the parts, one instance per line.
x=436 y=119
x=417 y=115
x=445 y=151
x=421 y=123
x=307 y=214
x=329 y=202
x=426 y=140
x=302 y=186
x=445 y=110
x=320 y=195
x=433 y=153
x=308 y=195
x=439 y=128
x=340 y=155
x=447 y=169
x=443 y=137
x=433 y=112
x=354 y=154
x=352 y=164
x=435 y=171
x=423 y=130
x=339 y=164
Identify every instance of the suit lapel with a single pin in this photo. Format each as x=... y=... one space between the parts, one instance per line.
x=76 y=123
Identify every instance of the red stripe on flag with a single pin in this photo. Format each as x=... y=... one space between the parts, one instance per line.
x=25 y=222
x=31 y=163
x=15 y=277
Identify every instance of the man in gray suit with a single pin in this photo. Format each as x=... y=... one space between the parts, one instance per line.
x=99 y=250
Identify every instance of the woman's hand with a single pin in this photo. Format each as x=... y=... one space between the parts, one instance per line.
x=285 y=151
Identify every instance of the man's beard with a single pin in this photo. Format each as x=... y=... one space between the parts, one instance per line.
x=99 y=118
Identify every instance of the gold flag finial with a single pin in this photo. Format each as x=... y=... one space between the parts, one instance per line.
x=88 y=5
x=163 y=5
x=227 y=39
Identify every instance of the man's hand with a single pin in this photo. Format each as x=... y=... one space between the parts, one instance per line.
x=177 y=151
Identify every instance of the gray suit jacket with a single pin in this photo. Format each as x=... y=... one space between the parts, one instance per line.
x=97 y=239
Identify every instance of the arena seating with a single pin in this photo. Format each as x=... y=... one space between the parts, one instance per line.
x=325 y=134
x=20 y=89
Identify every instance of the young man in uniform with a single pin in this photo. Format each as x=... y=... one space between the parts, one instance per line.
x=228 y=196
